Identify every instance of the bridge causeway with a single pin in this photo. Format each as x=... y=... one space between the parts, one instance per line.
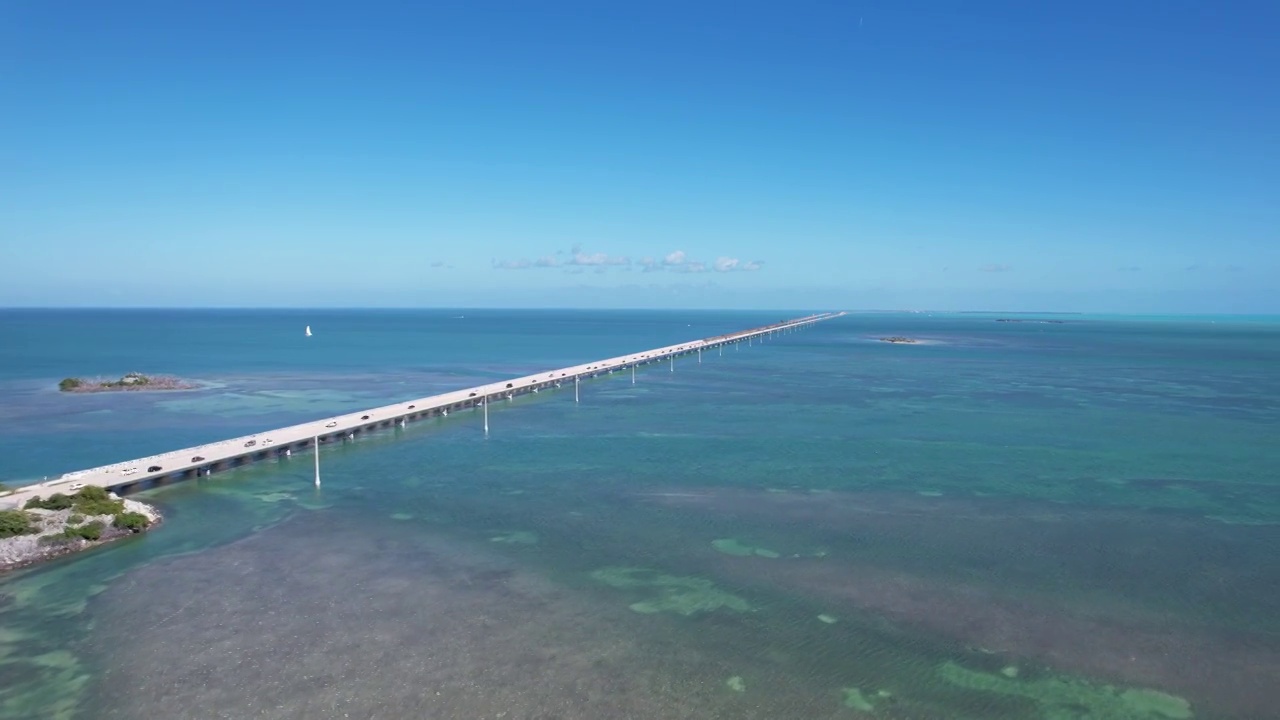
x=202 y=460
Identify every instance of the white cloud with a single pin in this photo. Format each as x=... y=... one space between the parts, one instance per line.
x=594 y=259
x=728 y=264
x=512 y=264
x=692 y=267
x=676 y=261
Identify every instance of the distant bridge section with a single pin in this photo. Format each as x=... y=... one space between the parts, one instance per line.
x=145 y=473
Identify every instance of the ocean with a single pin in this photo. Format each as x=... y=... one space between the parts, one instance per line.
x=1063 y=516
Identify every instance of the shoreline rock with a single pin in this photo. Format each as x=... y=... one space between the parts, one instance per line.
x=20 y=551
x=899 y=339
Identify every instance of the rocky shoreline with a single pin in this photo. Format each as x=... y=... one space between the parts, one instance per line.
x=48 y=537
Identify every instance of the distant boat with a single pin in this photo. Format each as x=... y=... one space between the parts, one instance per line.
x=308 y=331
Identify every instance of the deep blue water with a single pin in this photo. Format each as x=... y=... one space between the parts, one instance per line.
x=1092 y=502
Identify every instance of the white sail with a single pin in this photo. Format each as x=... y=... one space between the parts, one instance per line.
x=308 y=331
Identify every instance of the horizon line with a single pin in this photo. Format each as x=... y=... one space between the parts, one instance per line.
x=349 y=308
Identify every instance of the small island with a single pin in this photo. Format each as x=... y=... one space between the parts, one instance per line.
x=132 y=381
x=899 y=339
x=1020 y=320
x=61 y=524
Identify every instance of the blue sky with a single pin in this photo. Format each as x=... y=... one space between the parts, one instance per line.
x=1086 y=156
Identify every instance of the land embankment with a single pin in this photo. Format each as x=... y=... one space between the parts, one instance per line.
x=46 y=528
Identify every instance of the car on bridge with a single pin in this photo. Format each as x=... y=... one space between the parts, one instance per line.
x=198 y=458
x=154 y=468
x=332 y=424
x=364 y=417
x=251 y=443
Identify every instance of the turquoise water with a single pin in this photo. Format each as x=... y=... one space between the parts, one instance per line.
x=1014 y=520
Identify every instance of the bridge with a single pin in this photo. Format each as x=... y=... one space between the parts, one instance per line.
x=202 y=460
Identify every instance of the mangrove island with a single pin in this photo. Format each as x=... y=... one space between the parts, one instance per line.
x=132 y=381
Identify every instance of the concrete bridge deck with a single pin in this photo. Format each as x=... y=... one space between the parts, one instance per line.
x=148 y=472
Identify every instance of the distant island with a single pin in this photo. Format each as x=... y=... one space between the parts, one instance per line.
x=1048 y=322
x=898 y=339
x=47 y=528
x=132 y=381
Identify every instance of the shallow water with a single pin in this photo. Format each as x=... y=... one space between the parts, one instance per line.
x=1019 y=521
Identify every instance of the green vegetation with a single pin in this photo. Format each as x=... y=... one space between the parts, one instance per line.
x=131 y=521
x=736 y=684
x=91 y=500
x=56 y=501
x=88 y=531
x=94 y=500
x=683 y=595
x=15 y=522
x=1065 y=697
x=68 y=384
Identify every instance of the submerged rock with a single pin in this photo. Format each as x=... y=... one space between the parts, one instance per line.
x=854 y=698
x=519 y=537
x=681 y=595
x=1060 y=695
x=731 y=546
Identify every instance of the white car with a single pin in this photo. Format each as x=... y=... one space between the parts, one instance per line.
x=332 y=424
x=75 y=486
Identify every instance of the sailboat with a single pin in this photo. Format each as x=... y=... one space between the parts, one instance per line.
x=308 y=331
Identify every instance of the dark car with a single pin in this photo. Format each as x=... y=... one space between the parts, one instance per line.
x=412 y=407
x=154 y=468
x=364 y=417
x=251 y=443
x=472 y=395
x=198 y=458
x=508 y=384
